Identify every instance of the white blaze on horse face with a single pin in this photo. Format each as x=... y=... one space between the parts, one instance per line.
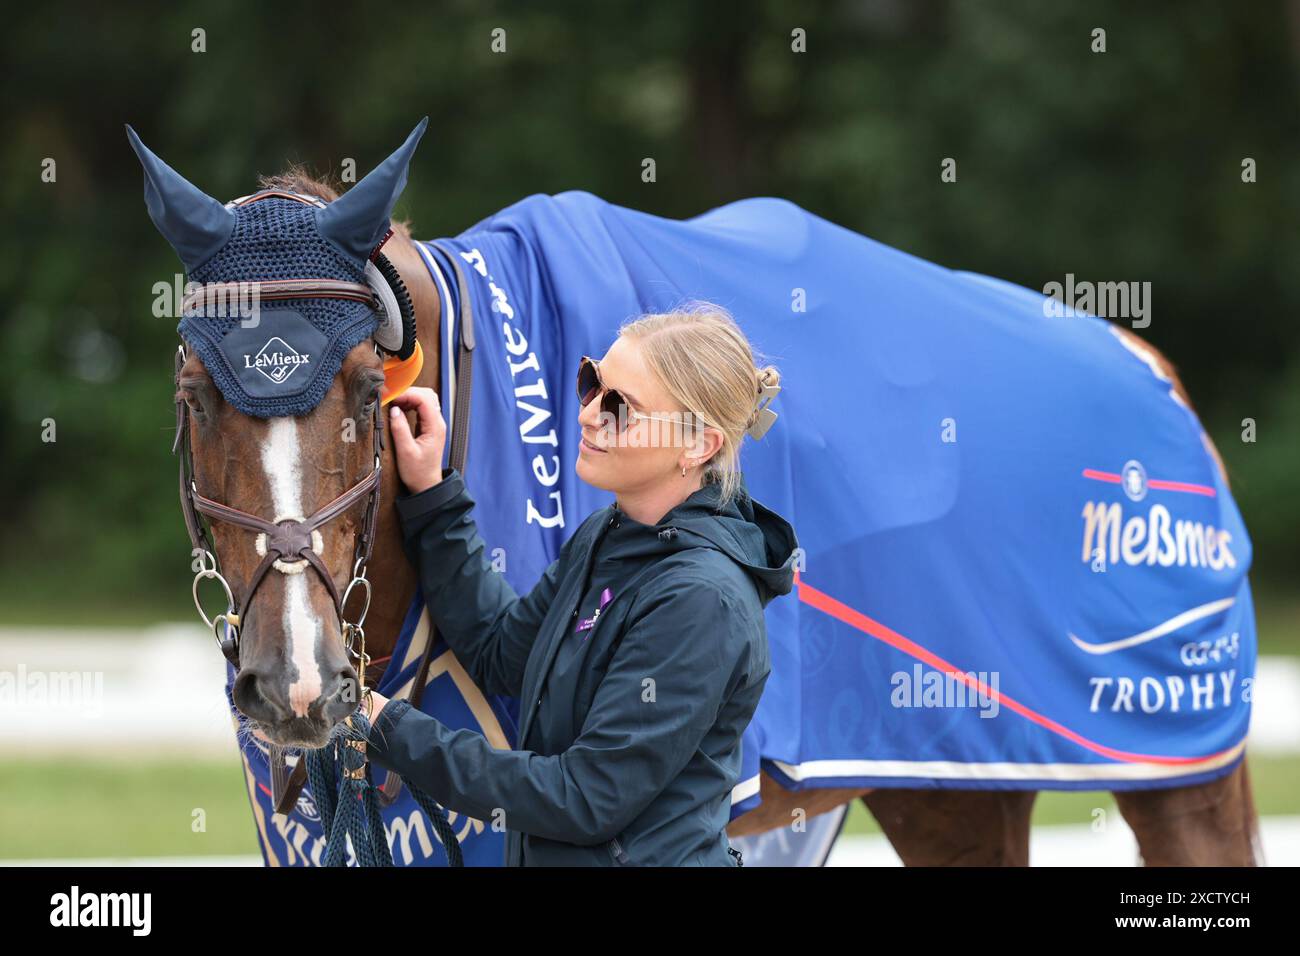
x=282 y=462
x=303 y=630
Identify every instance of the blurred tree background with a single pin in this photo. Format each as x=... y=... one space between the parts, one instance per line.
x=1123 y=165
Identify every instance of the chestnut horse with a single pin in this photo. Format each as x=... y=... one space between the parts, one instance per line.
x=242 y=460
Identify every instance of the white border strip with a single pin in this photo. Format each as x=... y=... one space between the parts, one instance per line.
x=745 y=789
x=952 y=770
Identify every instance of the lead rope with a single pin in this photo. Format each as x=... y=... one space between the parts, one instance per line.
x=353 y=814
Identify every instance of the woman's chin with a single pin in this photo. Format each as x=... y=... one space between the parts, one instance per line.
x=591 y=472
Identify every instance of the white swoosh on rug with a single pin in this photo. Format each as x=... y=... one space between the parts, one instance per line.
x=1160 y=630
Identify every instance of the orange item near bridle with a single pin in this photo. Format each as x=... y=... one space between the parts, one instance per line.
x=400 y=374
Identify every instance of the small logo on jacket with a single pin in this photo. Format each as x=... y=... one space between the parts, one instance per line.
x=277 y=360
x=586 y=624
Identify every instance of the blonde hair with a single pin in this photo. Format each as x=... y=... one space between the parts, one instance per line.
x=706 y=363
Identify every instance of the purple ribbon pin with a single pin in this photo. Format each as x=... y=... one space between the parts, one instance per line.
x=588 y=623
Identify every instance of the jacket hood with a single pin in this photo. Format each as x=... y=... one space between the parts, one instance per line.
x=756 y=538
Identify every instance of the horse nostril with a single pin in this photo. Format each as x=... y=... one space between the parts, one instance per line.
x=260 y=698
x=341 y=695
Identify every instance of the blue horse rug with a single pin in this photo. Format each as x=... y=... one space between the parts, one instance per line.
x=980 y=487
x=1021 y=567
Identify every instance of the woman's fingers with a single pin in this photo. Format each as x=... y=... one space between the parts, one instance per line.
x=419 y=454
x=430 y=425
x=423 y=401
x=403 y=441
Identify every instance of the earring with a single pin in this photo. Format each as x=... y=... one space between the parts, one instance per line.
x=683 y=471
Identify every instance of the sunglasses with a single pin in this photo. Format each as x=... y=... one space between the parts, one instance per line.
x=612 y=402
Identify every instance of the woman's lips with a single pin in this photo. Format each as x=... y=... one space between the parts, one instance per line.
x=588 y=446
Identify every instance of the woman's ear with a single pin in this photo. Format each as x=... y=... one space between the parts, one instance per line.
x=706 y=444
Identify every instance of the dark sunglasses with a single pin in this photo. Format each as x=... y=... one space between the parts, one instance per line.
x=612 y=401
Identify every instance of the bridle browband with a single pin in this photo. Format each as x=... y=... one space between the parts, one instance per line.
x=215 y=293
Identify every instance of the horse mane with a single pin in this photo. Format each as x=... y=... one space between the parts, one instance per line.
x=298 y=179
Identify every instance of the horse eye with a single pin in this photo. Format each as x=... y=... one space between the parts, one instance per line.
x=373 y=396
x=192 y=402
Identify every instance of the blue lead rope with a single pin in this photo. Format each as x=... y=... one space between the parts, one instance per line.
x=352 y=811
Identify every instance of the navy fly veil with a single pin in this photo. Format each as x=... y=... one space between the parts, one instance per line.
x=285 y=363
x=279 y=357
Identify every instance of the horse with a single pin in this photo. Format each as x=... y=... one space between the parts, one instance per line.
x=295 y=665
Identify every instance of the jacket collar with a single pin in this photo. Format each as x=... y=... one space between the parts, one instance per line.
x=758 y=539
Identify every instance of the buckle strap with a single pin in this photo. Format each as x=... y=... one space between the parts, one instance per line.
x=224 y=293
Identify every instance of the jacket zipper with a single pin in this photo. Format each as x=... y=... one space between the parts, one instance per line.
x=617 y=852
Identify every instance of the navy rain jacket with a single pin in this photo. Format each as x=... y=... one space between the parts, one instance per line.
x=630 y=727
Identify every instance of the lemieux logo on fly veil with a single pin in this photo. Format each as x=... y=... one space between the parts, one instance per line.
x=277 y=360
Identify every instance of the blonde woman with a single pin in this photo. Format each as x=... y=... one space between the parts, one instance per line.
x=644 y=642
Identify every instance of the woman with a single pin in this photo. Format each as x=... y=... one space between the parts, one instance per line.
x=644 y=643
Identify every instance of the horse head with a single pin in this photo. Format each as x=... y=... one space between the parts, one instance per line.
x=290 y=320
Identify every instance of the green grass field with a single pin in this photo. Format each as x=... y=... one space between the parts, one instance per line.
x=68 y=808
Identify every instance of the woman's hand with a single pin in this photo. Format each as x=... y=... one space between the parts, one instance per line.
x=419 y=455
x=378 y=701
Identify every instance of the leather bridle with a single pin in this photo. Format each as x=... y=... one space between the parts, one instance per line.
x=281 y=541
x=285 y=540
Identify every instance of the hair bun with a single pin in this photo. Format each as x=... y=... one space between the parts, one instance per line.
x=768 y=375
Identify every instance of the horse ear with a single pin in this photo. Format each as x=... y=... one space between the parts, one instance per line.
x=193 y=222
x=358 y=219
